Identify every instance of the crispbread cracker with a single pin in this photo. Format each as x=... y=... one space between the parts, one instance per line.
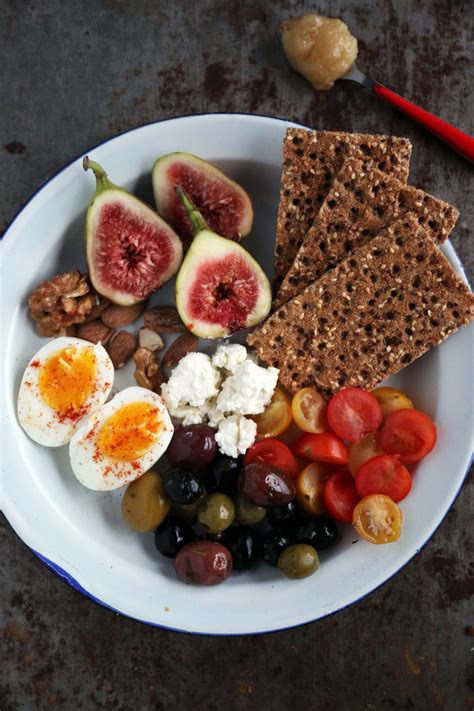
x=360 y=203
x=310 y=161
x=381 y=308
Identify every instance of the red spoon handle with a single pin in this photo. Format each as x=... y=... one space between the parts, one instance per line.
x=460 y=141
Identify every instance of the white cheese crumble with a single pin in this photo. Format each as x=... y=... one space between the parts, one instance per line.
x=220 y=391
x=193 y=382
x=229 y=357
x=249 y=390
x=235 y=435
x=188 y=414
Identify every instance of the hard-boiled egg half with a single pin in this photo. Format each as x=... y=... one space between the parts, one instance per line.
x=65 y=381
x=121 y=440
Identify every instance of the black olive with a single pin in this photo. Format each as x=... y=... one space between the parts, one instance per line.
x=182 y=487
x=282 y=515
x=273 y=543
x=203 y=535
x=319 y=532
x=172 y=535
x=222 y=474
x=240 y=540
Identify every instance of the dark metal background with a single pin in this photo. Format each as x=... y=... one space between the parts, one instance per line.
x=75 y=73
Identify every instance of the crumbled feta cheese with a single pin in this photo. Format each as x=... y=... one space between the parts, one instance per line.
x=213 y=414
x=229 y=356
x=220 y=391
x=187 y=414
x=192 y=382
x=249 y=390
x=235 y=435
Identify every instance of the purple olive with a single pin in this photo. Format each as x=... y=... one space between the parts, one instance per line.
x=265 y=485
x=192 y=447
x=203 y=563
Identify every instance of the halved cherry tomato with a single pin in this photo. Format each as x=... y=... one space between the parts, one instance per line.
x=340 y=496
x=272 y=451
x=276 y=417
x=324 y=447
x=378 y=519
x=409 y=433
x=310 y=488
x=384 y=475
x=363 y=450
x=309 y=411
x=391 y=400
x=353 y=413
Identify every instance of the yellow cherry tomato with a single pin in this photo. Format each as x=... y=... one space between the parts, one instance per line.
x=310 y=488
x=378 y=519
x=309 y=411
x=361 y=451
x=276 y=417
x=391 y=400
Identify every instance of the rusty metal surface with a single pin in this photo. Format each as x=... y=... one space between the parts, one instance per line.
x=77 y=73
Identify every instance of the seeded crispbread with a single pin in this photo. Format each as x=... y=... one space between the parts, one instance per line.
x=374 y=314
x=360 y=203
x=310 y=161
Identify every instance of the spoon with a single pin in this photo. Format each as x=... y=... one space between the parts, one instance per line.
x=456 y=139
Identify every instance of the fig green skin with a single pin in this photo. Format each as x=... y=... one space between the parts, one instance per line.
x=206 y=245
x=106 y=191
x=162 y=187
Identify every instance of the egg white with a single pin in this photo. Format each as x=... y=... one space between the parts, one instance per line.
x=40 y=422
x=102 y=473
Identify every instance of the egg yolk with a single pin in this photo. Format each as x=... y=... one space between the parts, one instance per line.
x=130 y=432
x=67 y=380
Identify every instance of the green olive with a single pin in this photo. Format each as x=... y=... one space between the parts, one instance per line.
x=216 y=513
x=298 y=561
x=248 y=513
x=188 y=512
x=145 y=504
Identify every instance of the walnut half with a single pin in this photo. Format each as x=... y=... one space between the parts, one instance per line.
x=60 y=302
x=148 y=373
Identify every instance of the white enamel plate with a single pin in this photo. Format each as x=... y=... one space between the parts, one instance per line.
x=79 y=533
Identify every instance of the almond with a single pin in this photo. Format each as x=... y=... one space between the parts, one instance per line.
x=164 y=319
x=121 y=348
x=150 y=339
x=94 y=331
x=117 y=316
x=180 y=347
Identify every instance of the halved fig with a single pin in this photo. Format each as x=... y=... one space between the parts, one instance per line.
x=220 y=288
x=225 y=206
x=130 y=250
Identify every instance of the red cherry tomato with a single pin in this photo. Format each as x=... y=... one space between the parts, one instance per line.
x=410 y=434
x=272 y=451
x=324 y=447
x=384 y=475
x=353 y=413
x=340 y=496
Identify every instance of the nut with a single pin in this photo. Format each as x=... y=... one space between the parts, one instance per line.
x=121 y=348
x=94 y=331
x=148 y=373
x=151 y=340
x=101 y=303
x=117 y=316
x=60 y=302
x=164 y=319
x=182 y=345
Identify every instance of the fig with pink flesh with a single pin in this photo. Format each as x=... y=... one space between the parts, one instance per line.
x=220 y=288
x=225 y=206
x=130 y=250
